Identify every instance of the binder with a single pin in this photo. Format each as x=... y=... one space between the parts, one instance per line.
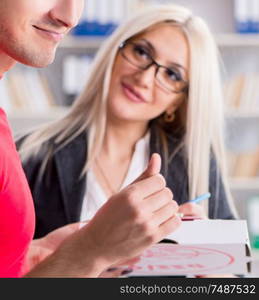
x=254 y=4
x=100 y=18
x=247 y=16
x=241 y=13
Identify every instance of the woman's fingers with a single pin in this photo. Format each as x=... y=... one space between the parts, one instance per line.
x=192 y=209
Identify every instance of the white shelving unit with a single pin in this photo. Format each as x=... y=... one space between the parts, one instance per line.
x=222 y=39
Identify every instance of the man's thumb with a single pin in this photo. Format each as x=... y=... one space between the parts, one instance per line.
x=153 y=167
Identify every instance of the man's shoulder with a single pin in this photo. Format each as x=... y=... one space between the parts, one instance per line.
x=4 y=126
x=6 y=138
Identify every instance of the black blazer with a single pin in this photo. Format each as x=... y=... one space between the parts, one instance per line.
x=58 y=195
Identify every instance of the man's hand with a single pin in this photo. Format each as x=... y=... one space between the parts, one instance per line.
x=39 y=249
x=140 y=215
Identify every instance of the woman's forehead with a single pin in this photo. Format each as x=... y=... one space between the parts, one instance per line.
x=169 y=42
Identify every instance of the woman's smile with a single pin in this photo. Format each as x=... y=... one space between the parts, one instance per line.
x=132 y=94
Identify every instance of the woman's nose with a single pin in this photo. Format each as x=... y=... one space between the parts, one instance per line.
x=146 y=77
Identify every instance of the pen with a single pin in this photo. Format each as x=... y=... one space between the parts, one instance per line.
x=195 y=200
x=201 y=198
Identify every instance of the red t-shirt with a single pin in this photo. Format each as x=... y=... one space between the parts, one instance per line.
x=17 y=219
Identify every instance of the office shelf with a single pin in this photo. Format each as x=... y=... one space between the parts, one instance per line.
x=242 y=114
x=237 y=40
x=251 y=183
x=83 y=42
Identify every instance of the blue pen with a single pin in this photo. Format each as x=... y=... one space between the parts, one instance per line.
x=201 y=198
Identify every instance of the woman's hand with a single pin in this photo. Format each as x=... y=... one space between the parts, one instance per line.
x=192 y=210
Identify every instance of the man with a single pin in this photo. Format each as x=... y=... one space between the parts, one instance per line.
x=132 y=220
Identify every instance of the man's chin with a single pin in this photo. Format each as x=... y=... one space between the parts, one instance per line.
x=41 y=64
x=40 y=61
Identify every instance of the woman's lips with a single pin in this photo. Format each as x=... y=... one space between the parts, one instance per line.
x=132 y=94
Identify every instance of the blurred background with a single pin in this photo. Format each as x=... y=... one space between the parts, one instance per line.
x=34 y=96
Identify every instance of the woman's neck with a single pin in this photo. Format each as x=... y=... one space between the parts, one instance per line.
x=120 y=138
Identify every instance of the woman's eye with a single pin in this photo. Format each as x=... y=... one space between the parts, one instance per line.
x=141 y=51
x=173 y=75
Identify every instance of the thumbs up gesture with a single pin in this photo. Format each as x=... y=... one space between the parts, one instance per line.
x=135 y=218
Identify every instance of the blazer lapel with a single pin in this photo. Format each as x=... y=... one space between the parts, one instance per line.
x=156 y=146
x=176 y=176
x=70 y=161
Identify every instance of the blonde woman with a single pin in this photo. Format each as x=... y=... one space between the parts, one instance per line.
x=154 y=87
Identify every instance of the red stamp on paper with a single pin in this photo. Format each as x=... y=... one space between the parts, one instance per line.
x=183 y=259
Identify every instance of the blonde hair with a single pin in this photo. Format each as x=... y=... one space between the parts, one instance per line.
x=204 y=122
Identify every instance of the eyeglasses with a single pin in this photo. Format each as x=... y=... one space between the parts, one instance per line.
x=169 y=79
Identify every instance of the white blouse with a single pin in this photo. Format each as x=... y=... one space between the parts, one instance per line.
x=95 y=197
